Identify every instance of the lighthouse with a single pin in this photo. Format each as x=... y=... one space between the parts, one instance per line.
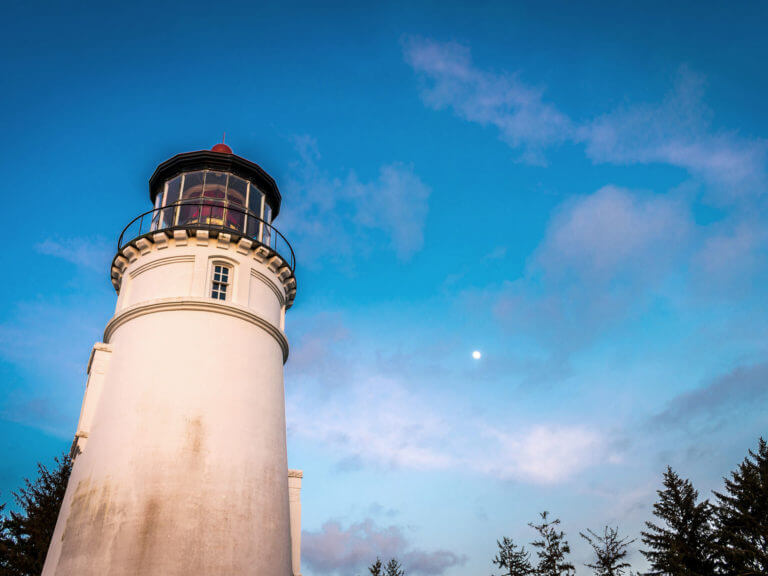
x=180 y=464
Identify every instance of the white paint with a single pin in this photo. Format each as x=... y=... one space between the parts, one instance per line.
x=294 y=497
x=182 y=466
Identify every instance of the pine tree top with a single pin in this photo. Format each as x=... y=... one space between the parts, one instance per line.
x=610 y=551
x=552 y=548
x=742 y=516
x=682 y=542
x=394 y=568
x=376 y=568
x=512 y=560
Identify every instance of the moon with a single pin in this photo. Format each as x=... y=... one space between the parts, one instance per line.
x=477 y=355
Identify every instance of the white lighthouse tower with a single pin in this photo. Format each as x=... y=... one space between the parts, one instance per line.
x=180 y=455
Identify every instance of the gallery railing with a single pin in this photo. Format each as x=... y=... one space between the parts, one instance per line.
x=208 y=214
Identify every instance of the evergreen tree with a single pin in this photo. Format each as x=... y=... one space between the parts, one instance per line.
x=512 y=560
x=28 y=532
x=375 y=569
x=5 y=544
x=683 y=544
x=552 y=548
x=610 y=552
x=394 y=568
x=742 y=517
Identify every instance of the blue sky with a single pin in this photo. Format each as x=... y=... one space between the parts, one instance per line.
x=578 y=191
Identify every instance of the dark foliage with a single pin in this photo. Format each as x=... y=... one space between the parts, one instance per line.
x=27 y=533
x=394 y=568
x=742 y=517
x=610 y=552
x=376 y=569
x=683 y=544
x=5 y=544
x=552 y=548
x=512 y=560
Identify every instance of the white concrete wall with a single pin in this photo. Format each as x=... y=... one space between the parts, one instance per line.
x=185 y=469
x=294 y=497
x=97 y=369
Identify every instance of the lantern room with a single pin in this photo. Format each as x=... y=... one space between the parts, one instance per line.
x=214 y=189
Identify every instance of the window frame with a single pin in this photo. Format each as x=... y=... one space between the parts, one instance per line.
x=214 y=285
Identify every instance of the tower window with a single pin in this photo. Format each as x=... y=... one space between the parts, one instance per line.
x=220 y=282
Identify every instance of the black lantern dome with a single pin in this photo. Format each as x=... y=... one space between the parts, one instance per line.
x=204 y=173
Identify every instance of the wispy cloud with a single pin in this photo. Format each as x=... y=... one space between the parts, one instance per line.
x=729 y=394
x=677 y=131
x=600 y=255
x=612 y=232
x=333 y=216
x=733 y=256
x=315 y=351
x=450 y=80
x=546 y=454
x=375 y=421
x=51 y=362
x=89 y=253
x=367 y=416
x=347 y=551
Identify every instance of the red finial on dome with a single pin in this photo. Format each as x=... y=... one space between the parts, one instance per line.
x=223 y=148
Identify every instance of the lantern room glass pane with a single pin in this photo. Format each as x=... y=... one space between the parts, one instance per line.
x=267 y=230
x=214 y=192
x=237 y=189
x=193 y=191
x=215 y=184
x=156 y=212
x=254 y=205
x=193 y=185
x=171 y=197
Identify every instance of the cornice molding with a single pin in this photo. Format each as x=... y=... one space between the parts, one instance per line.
x=146 y=245
x=200 y=305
